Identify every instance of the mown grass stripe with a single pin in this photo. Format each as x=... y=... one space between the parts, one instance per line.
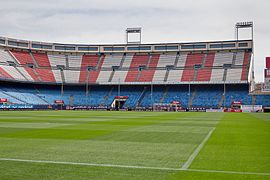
x=132 y=167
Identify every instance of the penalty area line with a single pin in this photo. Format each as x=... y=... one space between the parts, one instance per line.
x=197 y=151
x=132 y=167
x=89 y=164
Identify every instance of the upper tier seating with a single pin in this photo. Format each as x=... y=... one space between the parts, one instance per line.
x=148 y=74
x=137 y=61
x=166 y=59
x=239 y=58
x=234 y=74
x=42 y=59
x=74 y=61
x=28 y=73
x=192 y=60
x=23 y=57
x=176 y=74
x=112 y=60
x=57 y=59
x=204 y=74
x=217 y=75
x=109 y=62
x=121 y=75
x=144 y=68
x=71 y=76
x=46 y=75
x=57 y=76
x=223 y=58
x=5 y=56
x=4 y=74
x=159 y=76
x=87 y=61
x=13 y=72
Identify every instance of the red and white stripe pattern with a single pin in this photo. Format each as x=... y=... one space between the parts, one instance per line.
x=192 y=59
x=45 y=74
x=87 y=61
x=164 y=60
x=245 y=66
x=205 y=73
x=46 y=71
x=12 y=72
x=176 y=74
x=137 y=61
x=148 y=74
x=120 y=76
x=4 y=74
x=109 y=62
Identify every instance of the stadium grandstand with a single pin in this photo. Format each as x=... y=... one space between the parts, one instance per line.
x=128 y=76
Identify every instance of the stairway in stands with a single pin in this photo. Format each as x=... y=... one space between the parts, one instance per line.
x=106 y=97
x=191 y=98
x=34 y=60
x=234 y=58
x=13 y=57
x=138 y=75
x=141 y=97
x=40 y=97
x=111 y=76
x=195 y=75
x=225 y=74
x=122 y=60
x=21 y=73
x=8 y=94
x=166 y=75
x=37 y=75
x=165 y=93
x=253 y=99
x=87 y=76
x=62 y=76
x=176 y=59
x=221 y=101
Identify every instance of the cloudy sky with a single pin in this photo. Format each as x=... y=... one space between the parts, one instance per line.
x=104 y=21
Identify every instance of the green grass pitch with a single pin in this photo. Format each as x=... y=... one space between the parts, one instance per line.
x=134 y=145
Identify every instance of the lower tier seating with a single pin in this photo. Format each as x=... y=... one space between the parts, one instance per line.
x=209 y=96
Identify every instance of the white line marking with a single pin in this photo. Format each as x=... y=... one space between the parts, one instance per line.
x=131 y=167
x=89 y=164
x=196 y=151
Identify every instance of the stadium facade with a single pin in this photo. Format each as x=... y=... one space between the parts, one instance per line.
x=191 y=75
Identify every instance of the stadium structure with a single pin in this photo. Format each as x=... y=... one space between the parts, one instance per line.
x=191 y=76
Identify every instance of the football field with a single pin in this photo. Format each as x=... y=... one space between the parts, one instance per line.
x=134 y=145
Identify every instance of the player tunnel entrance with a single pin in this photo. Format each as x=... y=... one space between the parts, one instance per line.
x=118 y=102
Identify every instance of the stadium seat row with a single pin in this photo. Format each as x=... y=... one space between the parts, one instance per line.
x=114 y=68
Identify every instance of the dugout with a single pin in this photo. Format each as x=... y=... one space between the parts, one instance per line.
x=266 y=109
